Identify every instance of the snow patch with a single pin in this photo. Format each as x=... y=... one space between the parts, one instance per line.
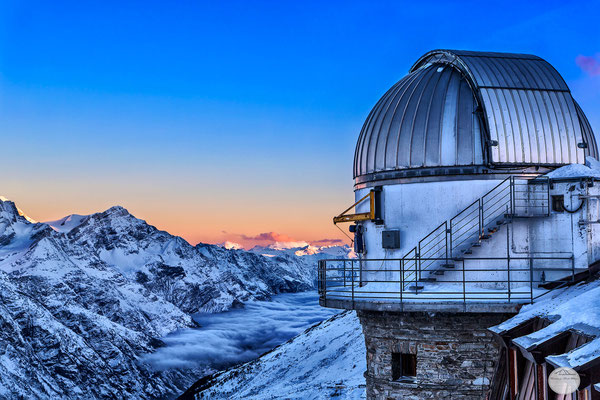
x=68 y=223
x=591 y=169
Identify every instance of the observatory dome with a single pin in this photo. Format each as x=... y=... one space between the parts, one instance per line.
x=465 y=112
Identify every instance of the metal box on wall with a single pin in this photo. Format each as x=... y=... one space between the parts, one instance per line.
x=390 y=239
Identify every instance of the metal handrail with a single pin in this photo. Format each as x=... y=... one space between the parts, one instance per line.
x=521 y=287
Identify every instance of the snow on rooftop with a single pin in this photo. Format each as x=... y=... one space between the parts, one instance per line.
x=591 y=169
x=575 y=308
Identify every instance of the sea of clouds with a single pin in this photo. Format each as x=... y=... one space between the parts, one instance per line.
x=239 y=335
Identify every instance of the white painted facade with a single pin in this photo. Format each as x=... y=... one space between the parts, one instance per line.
x=415 y=209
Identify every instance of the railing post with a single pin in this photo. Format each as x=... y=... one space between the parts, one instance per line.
x=344 y=273
x=417 y=274
x=464 y=284
x=446 y=236
x=508 y=256
x=481 y=216
x=418 y=261
x=572 y=268
x=450 y=240
x=352 y=266
x=512 y=195
x=508 y=279
x=548 y=195
x=401 y=278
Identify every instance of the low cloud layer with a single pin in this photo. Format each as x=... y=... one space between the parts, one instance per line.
x=589 y=64
x=239 y=335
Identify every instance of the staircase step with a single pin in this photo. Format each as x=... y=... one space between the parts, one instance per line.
x=468 y=251
x=428 y=279
x=414 y=288
x=485 y=237
x=476 y=244
x=501 y=222
x=458 y=258
x=448 y=265
x=437 y=272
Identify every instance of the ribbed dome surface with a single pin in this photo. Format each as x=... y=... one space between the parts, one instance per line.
x=425 y=120
x=462 y=112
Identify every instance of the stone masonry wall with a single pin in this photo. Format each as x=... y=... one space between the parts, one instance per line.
x=456 y=355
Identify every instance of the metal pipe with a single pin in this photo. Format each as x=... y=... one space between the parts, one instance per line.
x=531 y=278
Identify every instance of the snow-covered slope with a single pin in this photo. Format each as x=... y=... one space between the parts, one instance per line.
x=84 y=296
x=326 y=361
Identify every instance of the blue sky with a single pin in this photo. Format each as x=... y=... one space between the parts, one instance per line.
x=220 y=119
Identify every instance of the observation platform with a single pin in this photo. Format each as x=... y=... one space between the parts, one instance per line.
x=496 y=285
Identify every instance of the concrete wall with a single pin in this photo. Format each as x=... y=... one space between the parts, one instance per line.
x=456 y=355
x=415 y=209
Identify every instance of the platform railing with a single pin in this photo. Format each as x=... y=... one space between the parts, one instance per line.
x=473 y=279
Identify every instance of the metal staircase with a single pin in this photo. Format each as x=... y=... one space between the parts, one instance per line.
x=458 y=237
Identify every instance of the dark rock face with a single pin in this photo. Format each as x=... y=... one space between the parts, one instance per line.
x=455 y=354
x=80 y=303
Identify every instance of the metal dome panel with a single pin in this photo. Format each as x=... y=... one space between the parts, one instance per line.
x=588 y=134
x=425 y=120
x=528 y=108
x=465 y=108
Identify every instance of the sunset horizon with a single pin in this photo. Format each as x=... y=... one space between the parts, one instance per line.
x=165 y=124
x=302 y=200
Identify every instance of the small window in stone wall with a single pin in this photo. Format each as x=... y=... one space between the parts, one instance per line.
x=403 y=366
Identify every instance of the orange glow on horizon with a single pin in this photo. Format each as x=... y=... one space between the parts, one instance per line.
x=247 y=221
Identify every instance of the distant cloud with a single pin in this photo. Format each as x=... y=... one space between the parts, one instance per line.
x=269 y=237
x=231 y=245
x=589 y=64
x=272 y=239
x=328 y=242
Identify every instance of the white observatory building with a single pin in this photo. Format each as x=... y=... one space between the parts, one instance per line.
x=462 y=217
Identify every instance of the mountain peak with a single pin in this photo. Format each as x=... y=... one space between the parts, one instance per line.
x=117 y=210
x=11 y=211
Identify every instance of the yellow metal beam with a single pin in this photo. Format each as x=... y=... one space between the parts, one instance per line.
x=352 y=217
x=368 y=216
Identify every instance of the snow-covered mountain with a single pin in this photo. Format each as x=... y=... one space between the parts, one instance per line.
x=84 y=296
x=319 y=252
x=325 y=361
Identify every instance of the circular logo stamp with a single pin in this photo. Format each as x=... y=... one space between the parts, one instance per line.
x=564 y=380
